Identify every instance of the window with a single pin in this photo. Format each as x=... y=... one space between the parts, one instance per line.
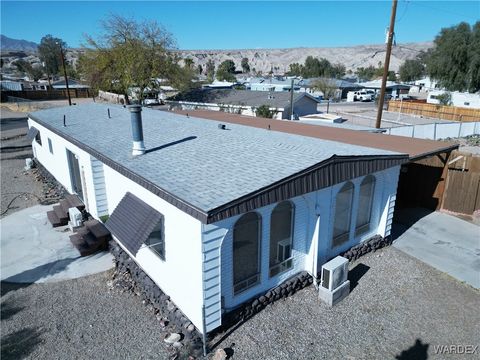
x=281 y=235
x=246 y=252
x=50 y=146
x=343 y=215
x=466 y=103
x=38 y=138
x=364 y=214
x=156 y=241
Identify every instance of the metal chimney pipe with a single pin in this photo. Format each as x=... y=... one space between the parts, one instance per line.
x=137 y=129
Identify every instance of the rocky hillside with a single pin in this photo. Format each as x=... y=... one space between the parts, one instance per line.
x=352 y=57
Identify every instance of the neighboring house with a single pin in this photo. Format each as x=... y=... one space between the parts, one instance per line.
x=460 y=99
x=220 y=85
x=273 y=84
x=392 y=88
x=72 y=84
x=216 y=215
x=8 y=85
x=246 y=102
x=342 y=87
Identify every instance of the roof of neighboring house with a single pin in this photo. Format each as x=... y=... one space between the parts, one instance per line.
x=415 y=148
x=339 y=83
x=377 y=84
x=207 y=172
x=71 y=84
x=241 y=97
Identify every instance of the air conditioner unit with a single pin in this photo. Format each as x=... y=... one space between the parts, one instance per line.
x=334 y=285
x=334 y=273
x=76 y=218
x=284 y=250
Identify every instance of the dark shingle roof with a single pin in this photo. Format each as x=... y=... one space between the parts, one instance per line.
x=276 y=99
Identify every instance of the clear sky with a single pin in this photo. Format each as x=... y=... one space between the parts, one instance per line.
x=246 y=24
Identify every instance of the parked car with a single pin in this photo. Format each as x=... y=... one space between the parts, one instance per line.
x=362 y=95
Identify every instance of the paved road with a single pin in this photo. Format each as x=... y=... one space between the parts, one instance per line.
x=445 y=242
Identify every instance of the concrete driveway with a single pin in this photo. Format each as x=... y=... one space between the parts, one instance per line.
x=34 y=252
x=445 y=242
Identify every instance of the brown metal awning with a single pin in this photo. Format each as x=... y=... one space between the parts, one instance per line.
x=32 y=132
x=415 y=148
x=132 y=222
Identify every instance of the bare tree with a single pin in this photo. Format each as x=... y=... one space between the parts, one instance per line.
x=327 y=86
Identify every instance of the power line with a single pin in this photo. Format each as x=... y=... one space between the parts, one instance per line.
x=443 y=10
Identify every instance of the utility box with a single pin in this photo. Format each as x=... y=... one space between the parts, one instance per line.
x=334 y=285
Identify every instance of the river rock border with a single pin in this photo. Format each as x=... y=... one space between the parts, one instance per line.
x=130 y=277
x=257 y=304
x=373 y=244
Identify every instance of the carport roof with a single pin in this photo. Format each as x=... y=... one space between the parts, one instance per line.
x=415 y=148
x=211 y=173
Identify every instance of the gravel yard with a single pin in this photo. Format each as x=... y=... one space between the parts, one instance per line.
x=399 y=304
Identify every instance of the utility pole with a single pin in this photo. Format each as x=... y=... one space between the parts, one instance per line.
x=65 y=74
x=386 y=65
x=291 y=101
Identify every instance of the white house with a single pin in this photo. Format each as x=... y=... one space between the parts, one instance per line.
x=216 y=212
x=460 y=99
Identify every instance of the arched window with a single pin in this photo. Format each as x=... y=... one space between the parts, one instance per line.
x=246 y=252
x=281 y=238
x=343 y=215
x=364 y=215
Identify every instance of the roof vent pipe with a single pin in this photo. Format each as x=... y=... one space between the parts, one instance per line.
x=137 y=129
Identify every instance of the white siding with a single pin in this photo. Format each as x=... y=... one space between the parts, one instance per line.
x=313 y=228
x=100 y=189
x=57 y=163
x=180 y=275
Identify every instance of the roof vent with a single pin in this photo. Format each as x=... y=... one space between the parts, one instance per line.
x=137 y=130
x=222 y=126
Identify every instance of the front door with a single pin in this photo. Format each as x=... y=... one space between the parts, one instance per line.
x=75 y=175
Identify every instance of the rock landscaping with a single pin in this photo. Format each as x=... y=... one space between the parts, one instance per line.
x=372 y=244
x=52 y=190
x=128 y=276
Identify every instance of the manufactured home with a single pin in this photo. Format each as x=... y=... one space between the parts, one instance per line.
x=218 y=212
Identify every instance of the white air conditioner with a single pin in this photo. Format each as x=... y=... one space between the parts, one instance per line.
x=75 y=216
x=334 y=273
x=284 y=249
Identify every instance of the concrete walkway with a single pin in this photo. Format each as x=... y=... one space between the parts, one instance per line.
x=34 y=252
x=445 y=242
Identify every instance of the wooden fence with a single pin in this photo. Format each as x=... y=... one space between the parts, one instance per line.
x=435 y=111
x=462 y=190
x=46 y=94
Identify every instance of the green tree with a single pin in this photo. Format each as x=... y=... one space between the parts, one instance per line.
x=265 y=112
x=34 y=72
x=295 y=69
x=200 y=69
x=327 y=86
x=245 y=65
x=226 y=71
x=412 y=69
x=366 y=73
x=49 y=53
x=455 y=58
x=210 y=68
x=445 y=98
x=188 y=62
x=337 y=71
x=130 y=54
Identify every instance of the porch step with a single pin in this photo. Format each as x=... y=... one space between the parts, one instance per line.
x=54 y=220
x=91 y=238
x=71 y=201
x=99 y=230
x=61 y=214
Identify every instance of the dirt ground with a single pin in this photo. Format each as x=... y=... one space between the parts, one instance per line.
x=19 y=189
